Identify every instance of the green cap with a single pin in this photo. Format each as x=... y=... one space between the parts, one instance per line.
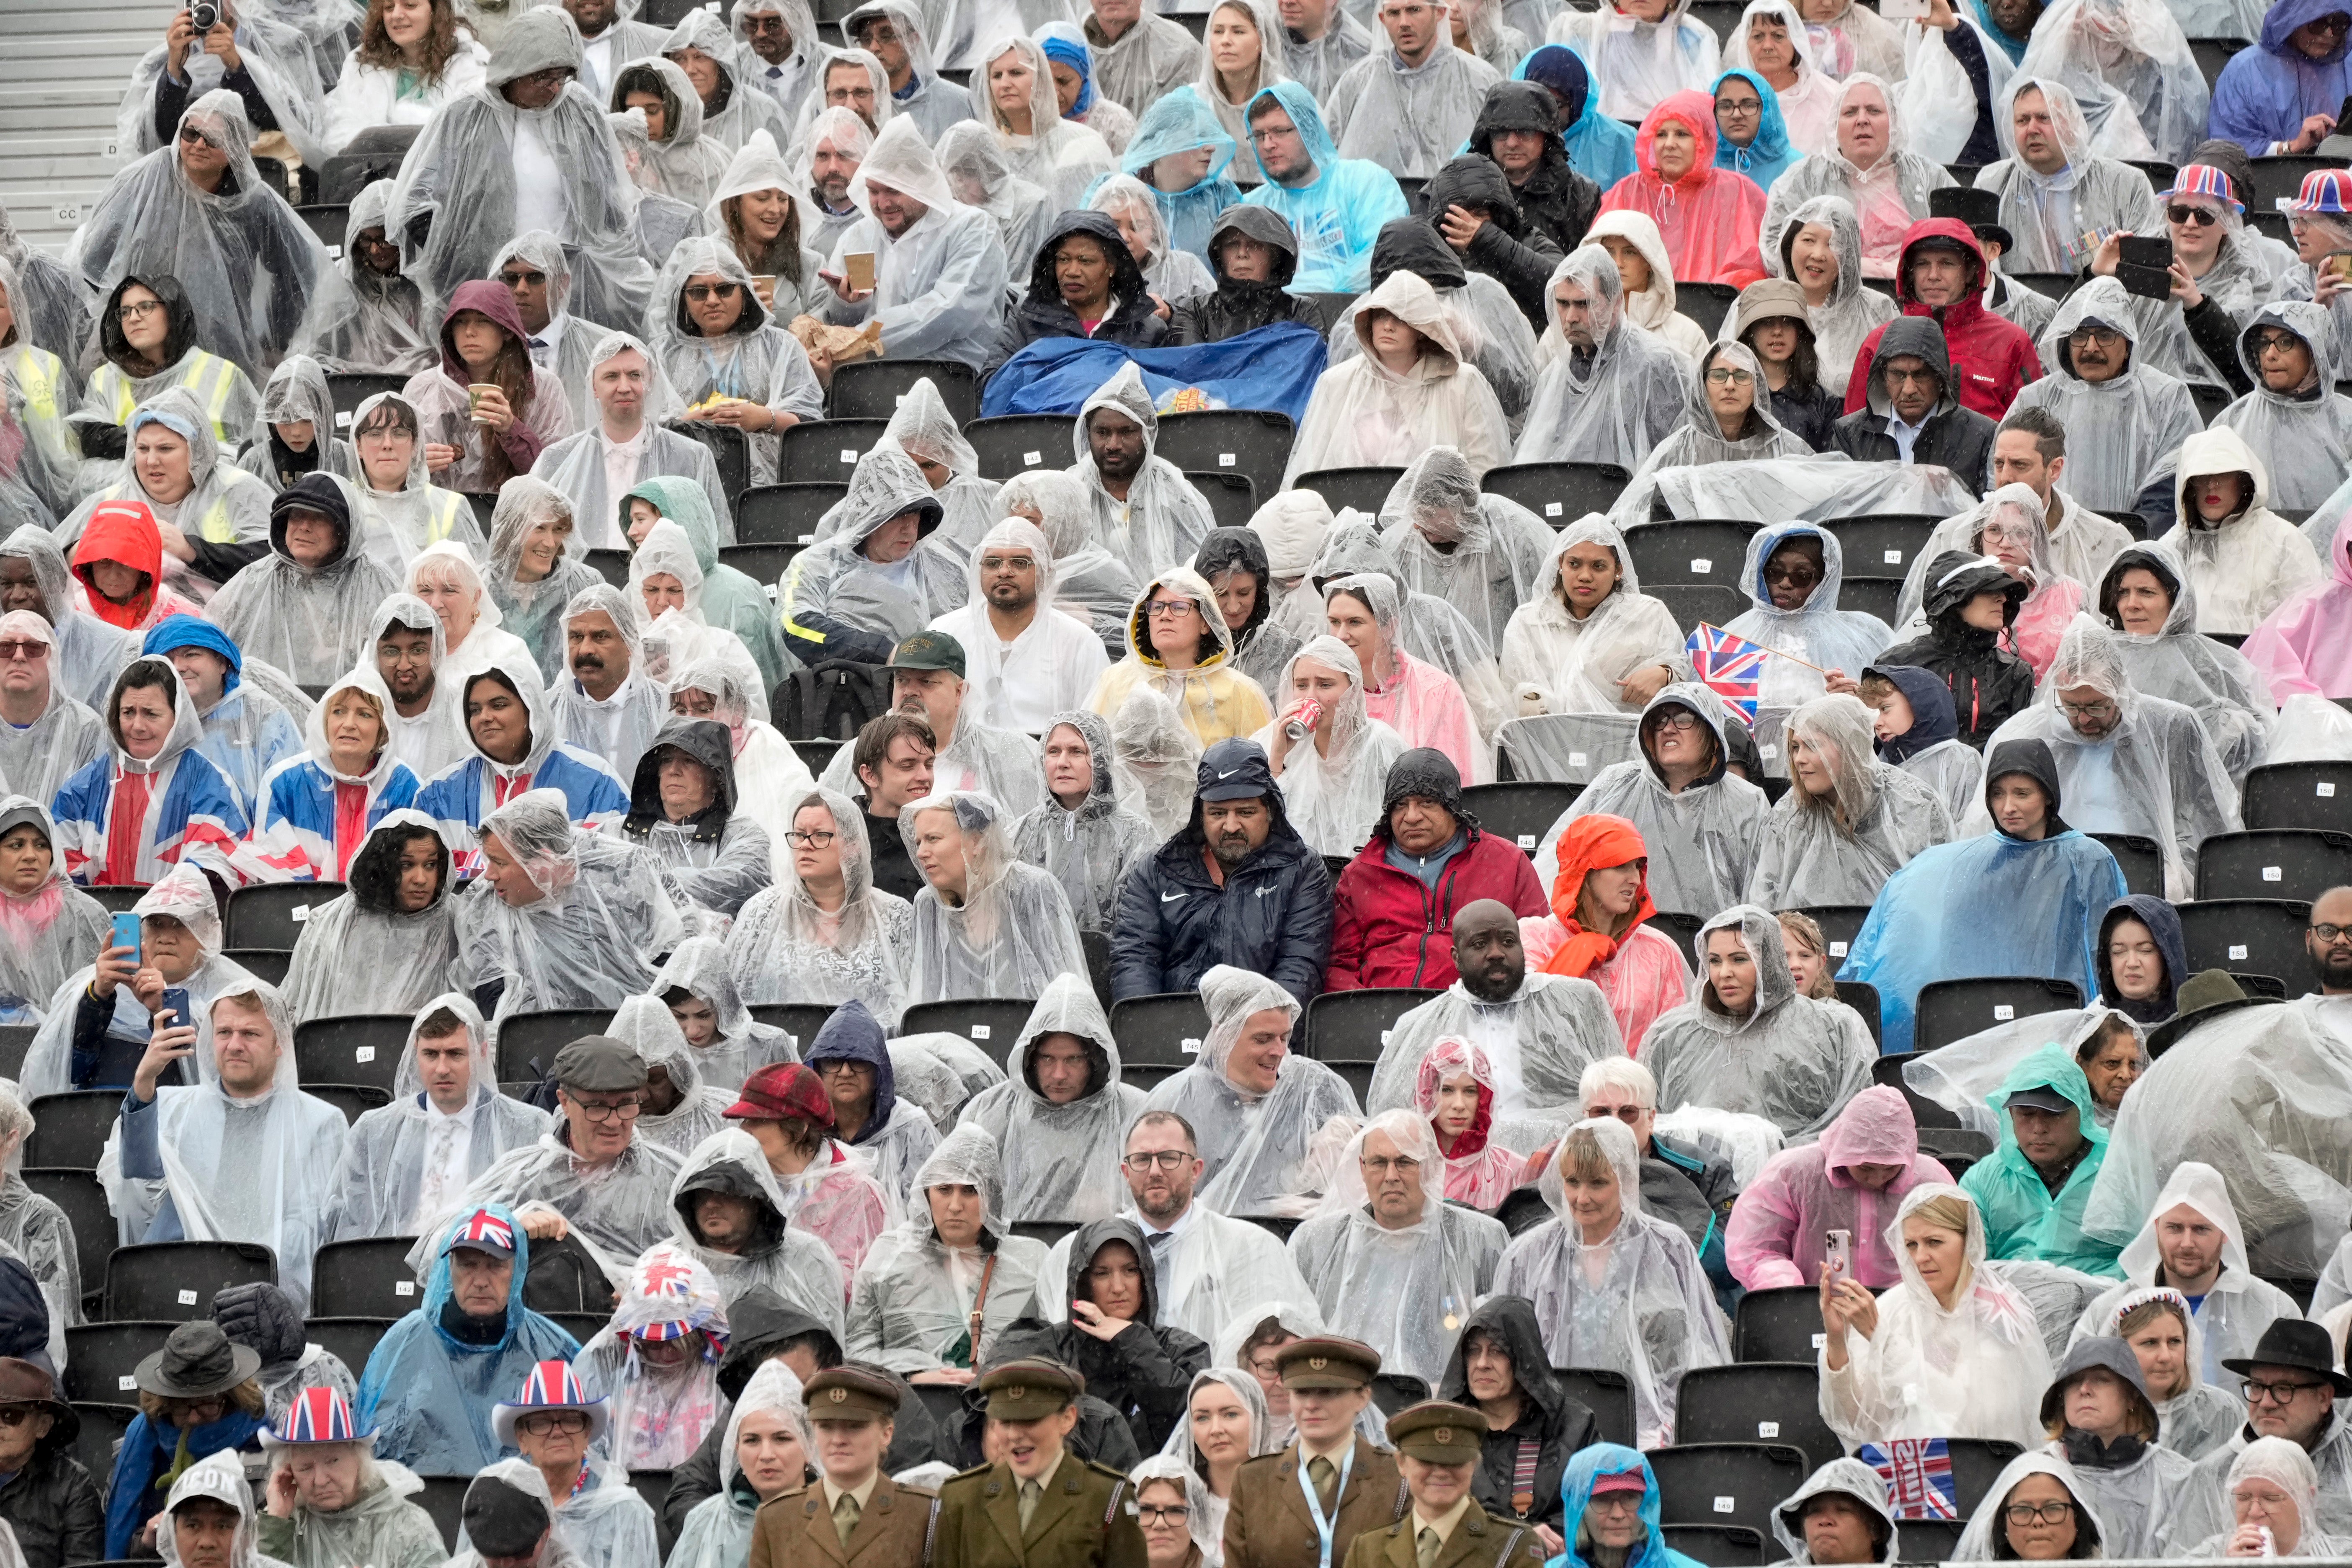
x=1327 y=1361
x=1030 y=1389
x=1438 y=1433
x=929 y=650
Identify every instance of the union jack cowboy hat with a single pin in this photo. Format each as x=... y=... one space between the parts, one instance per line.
x=552 y=1386
x=318 y=1415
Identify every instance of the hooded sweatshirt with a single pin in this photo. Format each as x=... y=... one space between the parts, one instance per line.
x=1558 y=200
x=1505 y=248
x=1988 y=683
x=1949 y=435
x=1931 y=749
x=1237 y=307
x=2163 y=922
x=1990 y=359
x=1555 y=1422
x=1146 y=1371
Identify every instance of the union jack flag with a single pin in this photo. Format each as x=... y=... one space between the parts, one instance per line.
x=319 y=1416
x=1732 y=666
x=483 y=1227
x=1918 y=1476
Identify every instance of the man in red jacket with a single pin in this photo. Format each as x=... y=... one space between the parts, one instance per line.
x=1392 y=916
x=1942 y=275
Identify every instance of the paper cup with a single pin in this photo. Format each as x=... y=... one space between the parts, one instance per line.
x=473 y=390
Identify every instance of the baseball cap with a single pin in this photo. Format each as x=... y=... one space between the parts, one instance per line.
x=929 y=650
x=2041 y=1097
x=1623 y=1481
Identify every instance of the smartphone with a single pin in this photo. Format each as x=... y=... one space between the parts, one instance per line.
x=2146 y=250
x=126 y=931
x=1904 y=10
x=1837 y=1256
x=174 y=1001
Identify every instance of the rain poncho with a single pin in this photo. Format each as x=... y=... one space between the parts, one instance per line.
x=1484 y=554
x=429 y=1391
x=1479 y=1172
x=296 y=393
x=254 y=272
x=939 y=287
x=2128 y=64
x=2284 y=1463
x=1886 y=198
x=1011 y=931
x=1576 y=667
x=1090 y=584
x=2023 y=1218
x=1849 y=1478
x=921 y=426
x=1791 y=1059
x=1844 y=321
x=592 y=936
x=1610 y=403
x=738 y=1047
x=85 y=654
x=1213 y=701
x=1273 y=43
x=738 y=111
x=757 y=360
x=1163 y=521
x=373 y=323
x=912 y=1303
x=2303 y=437
x=1976 y=1368
x=2301 y=648
x=2262 y=99
x=1931 y=749
x=791 y=1260
x=225 y=507
x=1820 y=851
x=718 y=1532
x=2250 y=562
x=2209 y=677
x=1699 y=438
x=1060 y=157
x=785 y=947
x=1985 y=1541
x=2202 y=1417
x=1155 y=757
x=187 y=810
x=1702 y=842
x=1818 y=633
x=1988 y=904
x=49 y=932
x=483 y=170
x=357 y=953
x=1178 y=121
x=1050 y=665
x=1409 y=118
x=981 y=176
x=1803 y=1194
x=659 y=1414
x=645 y=1025
x=1538 y=1041
x=1423 y=704
x=394 y=525
x=1338 y=214
x=2049 y=215
x=36 y=759
x=896 y=1134
x=1173 y=275
x=1710 y=217
x=1332 y=781
x=1770 y=152
x=1257 y=1147
x=1641 y=64
x=306 y=620
x=2123 y=434
x=218 y=1477
x=459 y=797
x=577 y=465
x=121 y=382
x=2154 y=773
x=530 y=612
x=1634 y=1302
x=200 y=1164
x=1803 y=116
x=1264 y=642
x=399 y=1176
x=797 y=290
x=618 y=727
x=186 y=896
x=726 y=600
x=1089 y=850
x=1641 y=969
x=838 y=604
x=1061 y=1162
x=715 y=858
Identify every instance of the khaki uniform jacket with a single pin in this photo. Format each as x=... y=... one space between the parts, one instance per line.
x=1085 y=1519
x=898 y=1529
x=1267 y=1525
x=1480 y=1540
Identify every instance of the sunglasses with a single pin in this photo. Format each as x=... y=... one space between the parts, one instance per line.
x=703 y=293
x=2203 y=217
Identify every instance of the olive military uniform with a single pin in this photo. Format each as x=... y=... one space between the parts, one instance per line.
x=1440 y=1434
x=1269 y=1524
x=1083 y=1516
x=896 y=1527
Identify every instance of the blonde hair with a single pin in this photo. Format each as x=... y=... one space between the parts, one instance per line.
x=1798 y=930
x=1945 y=1211
x=1582 y=1158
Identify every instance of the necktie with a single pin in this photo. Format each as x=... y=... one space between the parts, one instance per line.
x=1321 y=1471
x=845 y=1517
x=1424 y=1547
x=1030 y=1492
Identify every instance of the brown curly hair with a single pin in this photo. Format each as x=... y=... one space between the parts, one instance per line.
x=442 y=40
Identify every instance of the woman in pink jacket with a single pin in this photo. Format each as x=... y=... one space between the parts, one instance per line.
x=1852 y=1180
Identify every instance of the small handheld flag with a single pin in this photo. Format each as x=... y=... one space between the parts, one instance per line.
x=1918 y=1476
x=1731 y=667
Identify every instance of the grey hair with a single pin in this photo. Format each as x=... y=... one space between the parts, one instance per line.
x=1622 y=1073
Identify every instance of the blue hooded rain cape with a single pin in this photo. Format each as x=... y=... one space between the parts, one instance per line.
x=2265 y=93
x=2163 y=922
x=1181 y=122
x=1337 y=217
x=1589 y=1465
x=1599 y=148
x=1771 y=151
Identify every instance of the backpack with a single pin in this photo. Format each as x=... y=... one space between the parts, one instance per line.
x=832 y=701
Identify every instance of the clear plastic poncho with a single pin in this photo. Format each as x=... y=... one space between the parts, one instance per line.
x=686 y=636
x=1156 y=758
x=2253 y=560
x=741 y=1046
x=291 y=71
x=2123 y=434
x=1060 y=1162
x=2211 y=678
x=1636 y=63
x=1610 y=405
x=758 y=361
x=1009 y=934
x=1840 y=848
x=1409 y=121
x=1332 y=789
x=788 y=84
x=376 y=323
x=575 y=465
x=835 y=580
x=237 y=1170
x=307 y=620
x=532 y=612
x=912 y=1302
x=36 y=1230
x=1983 y=1540
x=1576 y=667
x=1061 y=157
x=1163 y=520
x=485 y=170
x=2202 y=1416
x=1976 y=1369
x=555 y=1552
x=1484 y=554
x=1844 y=321
x=382 y=1188
x=790 y=1259
x=1791 y=1059
x=620 y=728
x=254 y=272
x=1538 y=1041
x=742 y=110
x=85 y=653
x=1699 y=438
x=1425 y=704
x=1404 y=1291
x=1363 y=412
x=921 y=426
x=1636 y=1302
x=2303 y=437
x=757 y=166
x=357 y=952
x=219 y=1478
x=659 y=1414
x=1818 y=633
x=591 y=937
x=1175 y=275
x=646 y=1026
x=2154 y=773
x=2301 y=648
x=2131 y=70
x=295 y=392
x=1179 y=120
x=1257 y=1147
x=49 y=933
x=718 y=1531
x=786 y=947
x=1090 y=850
x=2048 y=215
x=401 y=523
x=980 y=171
x=1212 y=699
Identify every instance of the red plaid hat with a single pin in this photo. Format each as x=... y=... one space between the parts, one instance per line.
x=782 y=1090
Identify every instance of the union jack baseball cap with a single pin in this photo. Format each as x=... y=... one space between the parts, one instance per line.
x=484 y=1230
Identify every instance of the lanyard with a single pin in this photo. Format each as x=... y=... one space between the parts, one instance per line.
x=1324 y=1527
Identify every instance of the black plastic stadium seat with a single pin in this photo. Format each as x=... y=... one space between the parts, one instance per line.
x=1718 y=1545
x=361 y=1049
x=104 y=1425
x=1252 y=441
x=444 y=1497
x=1363 y=489
x=1780 y=1325
x=364 y=1279
x=1690 y=550
x=1352 y=1026
x=1160 y=1031
x=801 y=1020
x=1707 y=304
x=991 y=1023
x=1881 y=544
x=1862 y=997
x=70 y=1130
x=1929 y=1539
x=2212 y=54
x=2210 y=400
x=1887 y=1069
x=612 y=565
x=1096 y=945
x=159 y=1281
x=785 y=514
x=1695 y=604
x=1559 y=493
x=1412 y=186
x=2272 y=863
x=2282 y=177
x=1014 y=443
x=1521 y=813
x=1725 y=1483
x=101 y=1358
x=1606 y=1395
x=268 y=964
x=1880 y=596
x=1951 y=1010
x=328 y=221
x=1565 y=748
x=763 y=563
x=730 y=449
x=1977 y=1463
x=1840 y=923
x=873 y=388
x=352 y=1340
x=2300 y=795
x=1233 y=499
x=16 y=1040
x=1756 y=1401
x=1048 y=1231
x=353 y=1100
x=2054 y=286
x=826 y=451
x=2139 y=859
x=1683 y=929
x=2262 y=936
x=528 y=1038
x=347 y=389
x=83 y=1198
x=116 y=898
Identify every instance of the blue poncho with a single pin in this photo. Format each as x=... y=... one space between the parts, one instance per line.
x=1600 y=148
x=1178 y=121
x=2265 y=93
x=1771 y=151
x=1589 y=1465
x=2021 y=1220
x=1336 y=218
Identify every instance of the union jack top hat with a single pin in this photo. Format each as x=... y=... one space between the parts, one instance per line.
x=552 y=1386
x=319 y=1416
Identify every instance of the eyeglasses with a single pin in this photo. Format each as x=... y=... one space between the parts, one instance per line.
x=554 y=1421
x=1169 y=609
x=1724 y=375
x=138 y=313
x=703 y=293
x=1740 y=106
x=608 y=1111
x=2278 y=342
x=1924 y=376
x=2203 y=217
x=813 y=840
x=2099 y=336
x=26 y=650
x=2330 y=935
x=2053 y=1512
x=2084 y=710
x=1381 y=1165
x=1676 y=720
x=1159 y=1159
x=2275 y=1392
x=1163 y=1513
x=837 y=1067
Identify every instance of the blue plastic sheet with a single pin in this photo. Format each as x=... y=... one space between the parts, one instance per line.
x=1271 y=367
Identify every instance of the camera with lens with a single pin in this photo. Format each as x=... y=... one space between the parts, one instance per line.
x=204 y=15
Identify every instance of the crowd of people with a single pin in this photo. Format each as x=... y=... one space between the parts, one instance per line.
x=1280 y=1296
